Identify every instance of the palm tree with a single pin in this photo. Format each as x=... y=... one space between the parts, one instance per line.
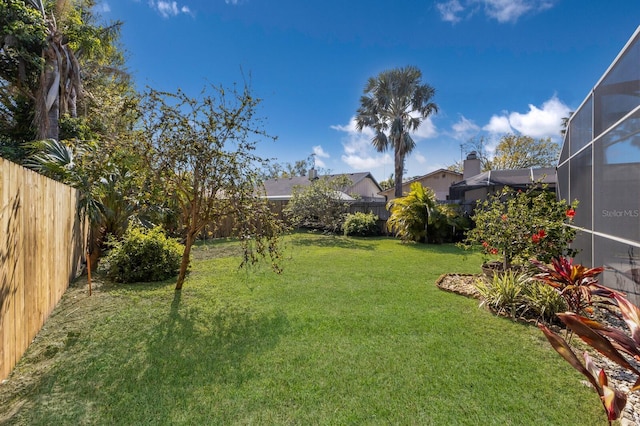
x=60 y=83
x=393 y=105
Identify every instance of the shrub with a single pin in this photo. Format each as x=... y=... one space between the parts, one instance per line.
x=519 y=225
x=361 y=224
x=505 y=293
x=319 y=205
x=447 y=223
x=142 y=255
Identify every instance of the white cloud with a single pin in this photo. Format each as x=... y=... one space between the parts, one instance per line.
x=498 y=124
x=426 y=130
x=501 y=10
x=367 y=163
x=420 y=158
x=542 y=122
x=465 y=129
x=450 y=10
x=169 y=9
x=359 y=154
x=319 y=152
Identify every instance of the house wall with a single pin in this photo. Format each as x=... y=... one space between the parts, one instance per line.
x=439 y=182
x=600 y=167
x=367 y=189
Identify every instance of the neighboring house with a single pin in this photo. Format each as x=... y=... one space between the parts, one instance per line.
x=600 y=167
x=478 y=187
x=439 y=181
x=363 y=193
x=364 y=187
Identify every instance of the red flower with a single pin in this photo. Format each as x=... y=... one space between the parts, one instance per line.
x=493 y=251
x=485 y=244
x=504 y=217
x=538 y=236
x=571 y=213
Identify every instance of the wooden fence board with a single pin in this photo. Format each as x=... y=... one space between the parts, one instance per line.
x=41 y=245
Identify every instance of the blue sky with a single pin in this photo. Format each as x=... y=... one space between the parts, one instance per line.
x=497 y=65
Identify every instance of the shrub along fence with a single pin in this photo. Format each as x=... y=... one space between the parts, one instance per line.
x=225 y=227
x=41 y=249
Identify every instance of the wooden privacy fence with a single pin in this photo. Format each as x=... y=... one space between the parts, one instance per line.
x=41 y=248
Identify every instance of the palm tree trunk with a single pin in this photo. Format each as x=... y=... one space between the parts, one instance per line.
x=48 y=96
x=399 y=170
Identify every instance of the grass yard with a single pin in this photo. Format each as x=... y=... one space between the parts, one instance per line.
x=353 y=332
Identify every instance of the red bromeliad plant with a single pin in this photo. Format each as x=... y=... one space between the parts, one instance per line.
x=579 y=284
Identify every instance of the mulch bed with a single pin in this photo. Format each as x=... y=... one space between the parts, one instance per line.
x=463 y=284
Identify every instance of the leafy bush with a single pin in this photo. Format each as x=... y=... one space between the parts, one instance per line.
x=447 y=223
x=519 y=225
x=361 y=224
x=319 y=205
x=142 y=255
x=505 y=293
x=518 y=294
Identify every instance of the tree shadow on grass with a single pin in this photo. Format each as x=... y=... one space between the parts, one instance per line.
x=194 y=351
x=319 y=240
x=446 y=248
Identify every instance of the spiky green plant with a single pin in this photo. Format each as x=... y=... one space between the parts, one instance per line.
x=410 y=214
x=505 y=293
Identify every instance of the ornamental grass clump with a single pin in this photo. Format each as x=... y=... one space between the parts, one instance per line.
x=544 y=302
x=505 y=293
x=519 y=225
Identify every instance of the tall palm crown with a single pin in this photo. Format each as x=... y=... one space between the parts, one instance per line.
x=393 y=105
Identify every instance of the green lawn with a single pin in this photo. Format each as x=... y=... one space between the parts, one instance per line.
x=353 y=332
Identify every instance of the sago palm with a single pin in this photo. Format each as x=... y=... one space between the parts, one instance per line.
x=394 y=104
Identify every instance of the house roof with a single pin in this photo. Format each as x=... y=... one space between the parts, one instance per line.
x=390 y=191
x=282 y=188
x=433 y=173
x=513 y=178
